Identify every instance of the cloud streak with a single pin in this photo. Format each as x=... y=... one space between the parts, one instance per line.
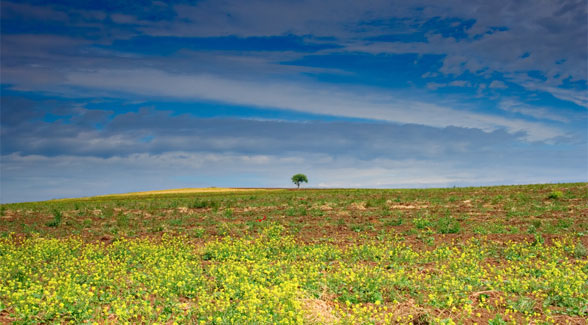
x=314 y=98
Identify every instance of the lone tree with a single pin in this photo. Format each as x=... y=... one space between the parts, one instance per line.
x=299 y=178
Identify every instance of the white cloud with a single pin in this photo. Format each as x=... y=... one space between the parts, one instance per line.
x=497 y=84
x=435 y=85
x=542 y=113
x=455 y=83
x=578 y=97
x=358 y=102
x=460 y=83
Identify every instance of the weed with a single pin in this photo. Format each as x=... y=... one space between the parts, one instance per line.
x=536 y=223
x=555 y=195
x=290 y=212
x=223 y=229
x=564 y=223
x=57 y=217
x=317 y=213
x=107 y=213
x=296 y=211
x=378 y=202
x=228 y=213
x=497 y=199
x=497 y=321
x=422 y=222
x=122 y=220
x=87 y=223
x=447 y=225
x=204 y=204
x=357 y=227
x=538 y=240
x=392 y=222
x=177 y=222
x=157 y=228
x=199 y=232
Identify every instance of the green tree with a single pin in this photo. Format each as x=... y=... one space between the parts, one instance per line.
x=299 y=178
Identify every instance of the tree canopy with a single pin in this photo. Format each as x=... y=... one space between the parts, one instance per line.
x=299 y=178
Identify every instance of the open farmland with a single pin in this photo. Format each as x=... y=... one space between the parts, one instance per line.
x=458 y=255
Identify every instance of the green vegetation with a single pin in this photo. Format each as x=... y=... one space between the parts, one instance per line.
x=555 y=195
x=56 y=219
x=462 y=255
x=299 y=178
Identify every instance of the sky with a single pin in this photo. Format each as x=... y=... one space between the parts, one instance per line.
x=102 y=97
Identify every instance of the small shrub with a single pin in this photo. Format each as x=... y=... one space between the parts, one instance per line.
x=375 y=202
x=87 y=223
x=539 y=240
x=199 y=204
x=447 y=225
x=497 y=320
x=178 y=222
x=555 y=195
x=204 y=204
x=391 y=222
x=357 y=227
x=223 y=229
x=122 y=220
x=317 y=213
x=107 y=213
x=421 y=222
x=199 y=232
x=497 y=199
x=513 y=230
x=57 y=217
x=300 y=211
x=564 y=223
x=290 y=212
x=481 y=230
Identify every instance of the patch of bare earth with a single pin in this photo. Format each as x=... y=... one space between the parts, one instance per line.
x=317 y=311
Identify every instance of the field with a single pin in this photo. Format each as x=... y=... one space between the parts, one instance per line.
x=508 y=254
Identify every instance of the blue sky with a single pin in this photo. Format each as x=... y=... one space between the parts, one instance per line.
x=119 y=96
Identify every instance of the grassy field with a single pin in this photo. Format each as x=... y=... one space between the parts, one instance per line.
x=459 y=255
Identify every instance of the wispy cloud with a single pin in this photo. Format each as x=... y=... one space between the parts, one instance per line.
x=542 y=113
x=497 y=84
x=578 y=97
x=314 y=98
